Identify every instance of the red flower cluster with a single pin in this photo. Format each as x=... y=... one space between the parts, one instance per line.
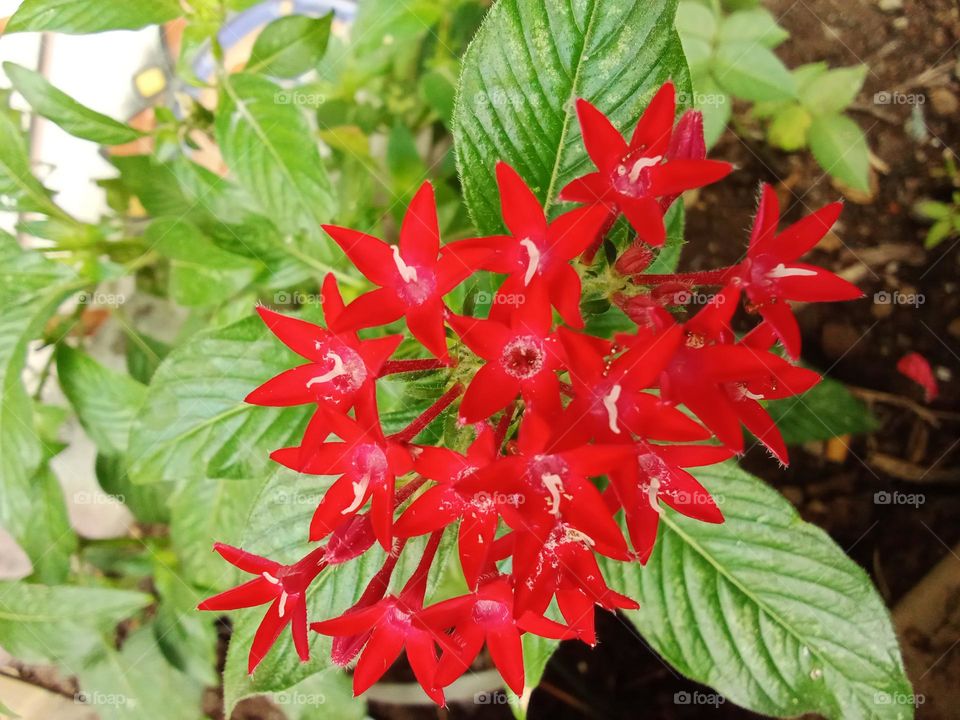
x=553 y=410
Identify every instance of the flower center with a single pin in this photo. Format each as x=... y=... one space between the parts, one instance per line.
x=656 y=471
x=523 y=357
x=408 y=273
x=369 y=465
x=629 y=177
x=610 y=405
x=782 y=271
x=346 y=373
x=490 y=613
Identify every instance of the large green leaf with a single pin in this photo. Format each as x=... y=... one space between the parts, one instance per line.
x=195 y=424
x=91 y=16
x=105 y=400
x=48 y=539
x=748 y=70
x=269 y=147
x=290 y=46
x=31 y=289
x=525 y=69
x=766 y=609
x=60 y=108
x=277 y=527
x=44 y=622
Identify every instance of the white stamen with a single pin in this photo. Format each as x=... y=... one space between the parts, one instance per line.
x=782 y=271
x=336 y=371
x=359 y=492
x=642 y=163
x=554 y=485
x=653 y=491
x=610 y=403
x=407 y=273
x=283 y=603
x=574 y=534
x=270 y=578
x=752 y=396
x=533 y=261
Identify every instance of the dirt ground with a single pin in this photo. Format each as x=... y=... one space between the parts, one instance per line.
x=911 y=48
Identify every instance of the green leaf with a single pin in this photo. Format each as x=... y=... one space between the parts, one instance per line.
x=788 y=128
x=194 y=423
x=200 y=272
x=834 y=90
x=828 y=410
x=695 y=20
x=148 y=503
x=269 y=147
x=752 y=26
x=144 y=354
x=60 y=108
x=277 y=527
x=840 y=147
x=933 y=210
x=715 y=105
x=537 y=652
x=105 y=400
x=290 y=46
x=60 y=622
x=49 y=540
x=766 y=609
x=137 y=681
x=522 y=74
x=438 y=88
x=31 y=289
x=19 y=189
x=91 y=16
x=749 y=71
x=940 y=231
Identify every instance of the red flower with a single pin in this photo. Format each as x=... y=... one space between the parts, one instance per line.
x=770 y=275
x=397 y=625
x=915 y=366
x=412 y=279
x=447 y=502
x=283 y=586
x=721 y=383
x=543 y=484
x=487 y=615
x=366 y=461
x=655 y=475
x=340 y=367
x=609 y=403
x=522 y=358
x=557 y=559
x=538 y=253
x=630 y=178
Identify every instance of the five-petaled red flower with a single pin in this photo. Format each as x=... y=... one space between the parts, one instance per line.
x=632 y=178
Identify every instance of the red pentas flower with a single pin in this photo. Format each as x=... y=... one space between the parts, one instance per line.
x=538 y=253
x=916 y=367
x=771 y=275
x=654 y=476
x=522 y=359
x=449 y=501
x=411 y=276
x=487 y=616
x=366 y=461
x=633 y=178
x=340 y=367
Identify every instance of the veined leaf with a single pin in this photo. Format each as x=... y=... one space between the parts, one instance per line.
x=827 y=410
x=840 y=147
x=60 y=108
x=268 y=146
x=194 y=423
x=290 y=46
x=766 y=609
x=748 y=70
x=91 y=16
x=60 y=622
x=48 y=540
x=19 y=189
x=527 y=65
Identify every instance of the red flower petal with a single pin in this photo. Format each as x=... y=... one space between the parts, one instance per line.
x=522 y=212
x=372 y=256
x=915 y=366
x=298 y=335
x=420 y=233
x=604 y=143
